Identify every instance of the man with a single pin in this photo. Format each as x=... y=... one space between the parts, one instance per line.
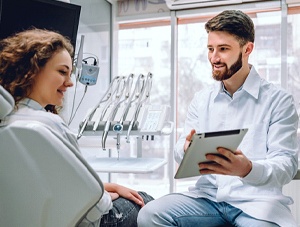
x=243 y=187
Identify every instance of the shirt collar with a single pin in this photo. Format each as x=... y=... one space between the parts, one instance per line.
x=223 y=89
x=252 y=83
x=31 y=104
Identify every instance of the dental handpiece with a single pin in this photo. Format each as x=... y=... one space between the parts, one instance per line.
x=120 y=91
x=90 y=115
x=145 y=91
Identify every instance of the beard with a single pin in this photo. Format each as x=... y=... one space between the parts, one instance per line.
x=228 y=73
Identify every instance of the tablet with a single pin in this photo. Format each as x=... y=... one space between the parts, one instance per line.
x=208 y=142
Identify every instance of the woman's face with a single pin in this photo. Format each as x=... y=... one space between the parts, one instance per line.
x=53 y=80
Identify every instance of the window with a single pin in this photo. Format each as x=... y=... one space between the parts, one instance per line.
x=143 y=50
x=293 y=52
x=148 y=48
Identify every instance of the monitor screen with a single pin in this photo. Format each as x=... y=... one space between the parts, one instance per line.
x=19 y=15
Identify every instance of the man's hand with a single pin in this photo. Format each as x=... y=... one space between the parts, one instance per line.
x=226 y=162
x=188 y=139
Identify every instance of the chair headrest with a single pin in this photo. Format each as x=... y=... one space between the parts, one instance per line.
x=7 y=102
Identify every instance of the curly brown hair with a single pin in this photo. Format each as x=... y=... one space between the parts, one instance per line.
x=22 y=56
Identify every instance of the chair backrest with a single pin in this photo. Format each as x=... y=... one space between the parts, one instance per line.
x=44 y=181
x=7 y=102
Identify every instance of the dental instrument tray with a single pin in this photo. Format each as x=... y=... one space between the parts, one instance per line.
x=125 y=110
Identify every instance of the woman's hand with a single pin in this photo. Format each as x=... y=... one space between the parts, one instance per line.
x=117 y=190
x=114 y=195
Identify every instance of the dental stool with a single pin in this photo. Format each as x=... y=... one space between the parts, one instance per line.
x=44 y=181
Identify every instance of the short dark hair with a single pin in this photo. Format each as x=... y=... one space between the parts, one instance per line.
x=236 y=23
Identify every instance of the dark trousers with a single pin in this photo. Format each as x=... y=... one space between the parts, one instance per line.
x=124 y=212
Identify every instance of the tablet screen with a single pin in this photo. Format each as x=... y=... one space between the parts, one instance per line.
x=204 y=143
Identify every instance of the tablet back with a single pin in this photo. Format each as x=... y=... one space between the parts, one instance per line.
x=204 y=143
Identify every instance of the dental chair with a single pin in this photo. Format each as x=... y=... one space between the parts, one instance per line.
x=44 y=181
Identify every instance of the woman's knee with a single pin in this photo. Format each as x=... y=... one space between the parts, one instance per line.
x=146 y=197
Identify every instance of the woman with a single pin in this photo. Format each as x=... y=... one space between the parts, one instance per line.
x=35 y=68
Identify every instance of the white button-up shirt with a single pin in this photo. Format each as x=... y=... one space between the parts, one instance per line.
x=270 y=143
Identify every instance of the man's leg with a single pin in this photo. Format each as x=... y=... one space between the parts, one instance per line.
x=245 y=220
x=181 y=210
